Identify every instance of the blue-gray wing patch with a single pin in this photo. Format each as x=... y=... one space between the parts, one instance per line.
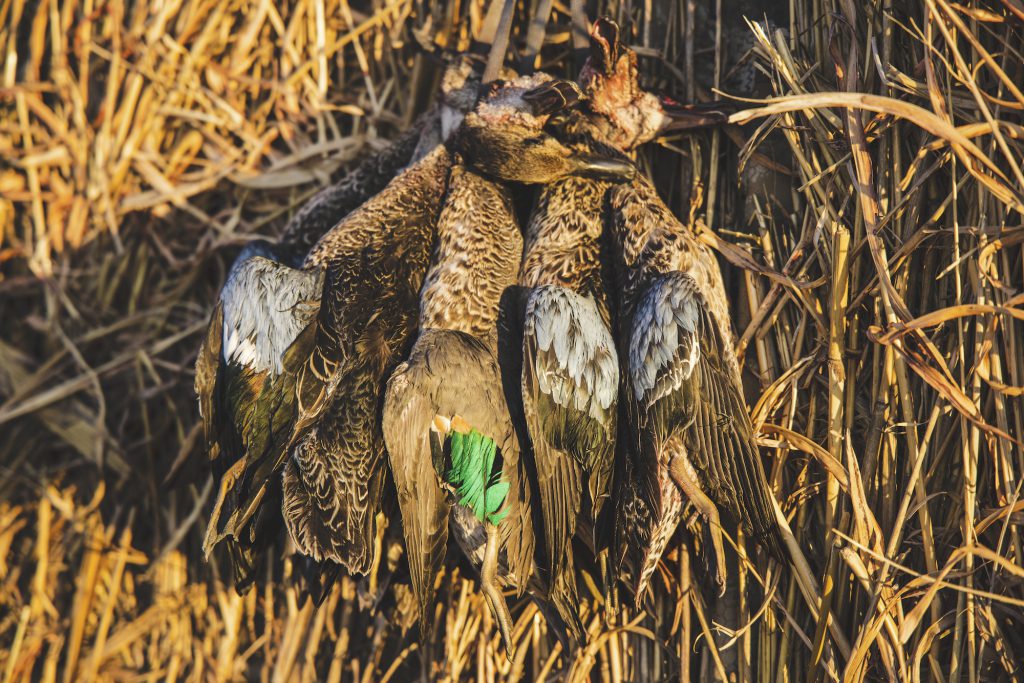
x=683 y=386
x=574 y=352
x=663 y=347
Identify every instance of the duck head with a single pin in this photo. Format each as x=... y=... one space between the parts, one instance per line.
x=505 y=137
x=628 y=115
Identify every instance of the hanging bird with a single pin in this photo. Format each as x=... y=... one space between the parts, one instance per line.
x=570 y=368
x=453 y=449
x=569 y=374
x=244 y=379
x=334 y=476
x=451 y=444
x=686 y=409
x=691 y=435
x=264 y=328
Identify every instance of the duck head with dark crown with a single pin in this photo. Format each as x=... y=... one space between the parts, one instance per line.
x=504 y=136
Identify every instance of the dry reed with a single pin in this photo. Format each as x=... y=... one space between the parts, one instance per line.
x=872 y=247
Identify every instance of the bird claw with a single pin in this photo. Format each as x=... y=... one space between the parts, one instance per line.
x=719 y=549
x=496 y=601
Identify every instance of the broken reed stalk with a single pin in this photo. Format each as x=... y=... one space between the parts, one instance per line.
x=868 y=214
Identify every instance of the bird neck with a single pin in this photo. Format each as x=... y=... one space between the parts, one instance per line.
x=563 y=239
x=475 y=259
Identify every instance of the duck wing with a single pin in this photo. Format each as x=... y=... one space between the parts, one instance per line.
x=681 y=383
x=370 y=176
x=334 y=477
x=370 y=302
x=244 y=380
x=570 y=384
x=407 y=423
x=457 y=387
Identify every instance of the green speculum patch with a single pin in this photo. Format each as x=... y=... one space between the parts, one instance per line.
x=472 y=474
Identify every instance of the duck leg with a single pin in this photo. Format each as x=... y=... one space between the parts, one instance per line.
x=683 y=475
x=227 y=483
x=489 y=584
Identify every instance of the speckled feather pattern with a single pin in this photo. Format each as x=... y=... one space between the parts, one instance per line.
x=563 y=239
x=453 y=370
x=684 y=384
x=570 y=367
x=477 y=256
x=368 y=314
x=652 y=241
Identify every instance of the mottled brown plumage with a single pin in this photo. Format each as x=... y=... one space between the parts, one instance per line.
x=370 y=176
x=453 y=372
x=453 y=375
x=570 y=368
x=689 y=433
x=334 y=477
x=247 y=366
x=686 y=402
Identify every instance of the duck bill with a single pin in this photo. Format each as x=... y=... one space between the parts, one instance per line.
x=552 y=97
x=678 y=116
x=604 y=168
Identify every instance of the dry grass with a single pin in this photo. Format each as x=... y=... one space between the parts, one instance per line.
x=877 y=281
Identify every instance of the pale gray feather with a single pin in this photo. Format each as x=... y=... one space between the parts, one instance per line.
x=266 y=306
x=569 y=326
x=664 y=349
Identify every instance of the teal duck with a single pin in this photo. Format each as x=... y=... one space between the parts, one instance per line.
x=242 y=372
x=266 y=325
x=690 y=435
x=570 y=368
x=453 y=448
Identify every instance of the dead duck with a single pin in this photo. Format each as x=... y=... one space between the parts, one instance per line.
x=451 y=444
x=690 y=435
x=267 y=300
x=693 y=434
x=453 y=448
x=570 y=367
x=265 y=326
x=334 y=474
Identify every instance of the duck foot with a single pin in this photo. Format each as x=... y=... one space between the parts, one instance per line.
x=685 y=478
x=489 y=584
x=227 y=483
